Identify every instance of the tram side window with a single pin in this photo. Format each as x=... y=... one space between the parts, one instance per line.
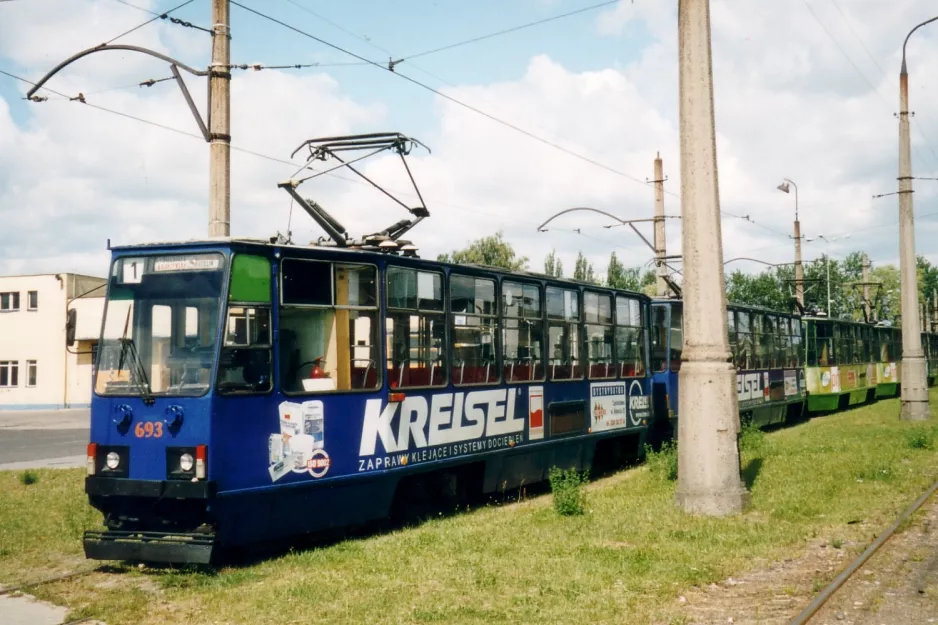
x=824 y=344
x=866 y=344
x=245 y=360
x=597 y=312
x=522 y=332
x=415 y=328
x=843 y=344
x=783 y=343
x=758 y=345
x=677 y=338
x=769 y=330
x=328 y=327
x=732 y=336
x=796 y=343
x=659 y=338
x=630 y=339
x=474 y=328
x=744 y=340
x=563 y=337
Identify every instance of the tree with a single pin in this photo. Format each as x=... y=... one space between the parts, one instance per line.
x=583 y=270
x=553 y=266
x=492 y=251
x=886 y=296
x=620 y=277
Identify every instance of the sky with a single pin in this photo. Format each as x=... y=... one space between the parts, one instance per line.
x=568 y=113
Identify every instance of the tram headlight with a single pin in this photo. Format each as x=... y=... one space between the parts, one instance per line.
x=186 y=462
x=112 y=460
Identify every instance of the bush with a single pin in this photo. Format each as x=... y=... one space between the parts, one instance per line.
x=567 y=489
x=920 y=438
x=751 y=438
x=28 y=477
x=663 y=463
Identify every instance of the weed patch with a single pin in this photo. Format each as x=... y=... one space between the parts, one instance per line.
x=567 y=489
x=29 y=477
x=920 y=438
x=662 y=463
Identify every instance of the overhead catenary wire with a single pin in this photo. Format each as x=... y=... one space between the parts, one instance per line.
x=852 y=63
x=164 y=15
x=883 y=72
x=505 y=31
x=65 y=98
x=469 y=107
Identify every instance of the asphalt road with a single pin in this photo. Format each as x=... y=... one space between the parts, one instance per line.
x=37 y=439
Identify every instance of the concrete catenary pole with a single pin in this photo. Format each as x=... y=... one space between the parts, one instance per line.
x=219 y=193
x=708 y=426
x=868 y=313
x=914 y=395
x=661 y=246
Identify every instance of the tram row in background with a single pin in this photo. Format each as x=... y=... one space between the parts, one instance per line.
x=247 y=391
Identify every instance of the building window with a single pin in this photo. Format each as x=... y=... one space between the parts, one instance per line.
x=9 y=373
x=32 y=300
x=31 y=369
x=10 y=301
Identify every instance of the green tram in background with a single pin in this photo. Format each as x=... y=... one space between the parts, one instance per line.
x=849 y=363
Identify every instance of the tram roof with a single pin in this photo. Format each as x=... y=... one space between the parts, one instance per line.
x=267 y=243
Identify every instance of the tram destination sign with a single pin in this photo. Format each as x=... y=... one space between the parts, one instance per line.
x=186 y=263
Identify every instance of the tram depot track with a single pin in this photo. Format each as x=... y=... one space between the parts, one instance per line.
x=828 y=592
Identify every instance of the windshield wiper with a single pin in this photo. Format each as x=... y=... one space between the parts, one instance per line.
x=138 y=374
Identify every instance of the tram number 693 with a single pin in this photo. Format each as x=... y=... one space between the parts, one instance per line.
x=148 y=429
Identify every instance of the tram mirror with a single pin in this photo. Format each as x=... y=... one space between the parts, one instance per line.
x=70 y=324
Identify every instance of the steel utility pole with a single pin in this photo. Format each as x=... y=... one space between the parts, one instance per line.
x=708 y=427
x=799 y=268
x=868 y=313
x=914 y=394
x=661 y=246
x=219 y=122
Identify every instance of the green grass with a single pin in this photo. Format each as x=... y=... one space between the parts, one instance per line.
x=43 y=514
x=625 y=559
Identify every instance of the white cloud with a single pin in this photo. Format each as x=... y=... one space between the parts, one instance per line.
x=787 y=104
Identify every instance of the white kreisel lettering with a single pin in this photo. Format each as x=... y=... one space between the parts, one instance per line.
x=496 y=424
x=413 y=406
x=441 y=416
x=475 y=416
x=377 y=425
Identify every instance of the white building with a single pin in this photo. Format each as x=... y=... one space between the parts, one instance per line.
x=38 y=370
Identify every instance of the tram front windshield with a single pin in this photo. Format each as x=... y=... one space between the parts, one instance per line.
x=160 y=325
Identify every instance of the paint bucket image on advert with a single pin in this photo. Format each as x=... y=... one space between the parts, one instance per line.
x=301 y=448
x=291 y=418
x=275 y=448
x=314 y=422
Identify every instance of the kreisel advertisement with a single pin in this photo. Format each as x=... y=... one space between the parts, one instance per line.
x=608 y=406
x=299 y=447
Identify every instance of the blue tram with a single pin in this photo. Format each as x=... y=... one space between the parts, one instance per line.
x=251 y=390
x=767 y=350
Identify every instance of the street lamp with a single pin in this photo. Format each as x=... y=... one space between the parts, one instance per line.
x=914 y=388
x=799 y=269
